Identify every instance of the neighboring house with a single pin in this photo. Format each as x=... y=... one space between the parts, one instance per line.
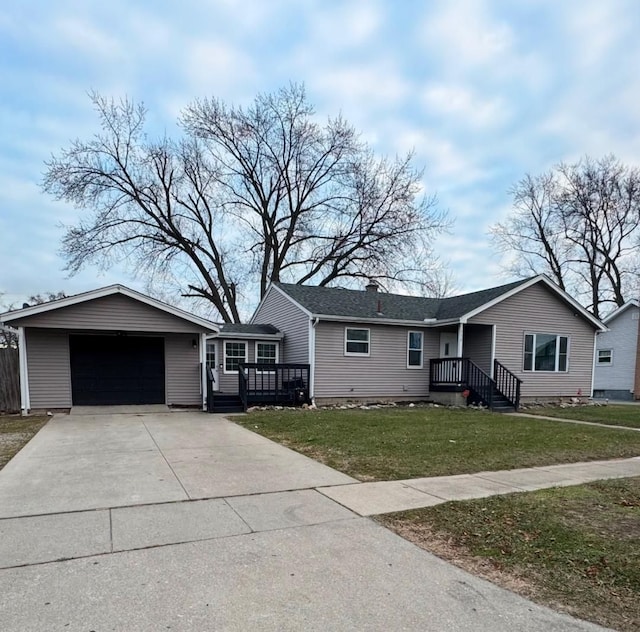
x=109 y=346
x=617 y=362
x=365 y=345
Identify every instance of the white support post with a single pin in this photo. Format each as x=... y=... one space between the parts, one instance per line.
x=493 y=350
x=25 y=400
x=460 y=339
x=203 y=369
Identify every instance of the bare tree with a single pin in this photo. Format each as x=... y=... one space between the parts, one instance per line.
x=579 y=224
x=247 y=196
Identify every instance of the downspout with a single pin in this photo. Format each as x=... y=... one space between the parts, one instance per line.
x=203 y=369
x=25 y=400
x=312 y=357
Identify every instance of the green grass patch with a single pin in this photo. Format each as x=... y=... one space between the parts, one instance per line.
x=399 y=443
x=611 y=414
x=15 y=432
x=574 y=548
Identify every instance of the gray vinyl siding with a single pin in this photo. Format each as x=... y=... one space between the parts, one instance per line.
x=280 y=312
x=623 y=341
x=110 y=313
x=48 y=366
x=383 y=373
x=182 y=370
x=476 y=346
x=537 y=310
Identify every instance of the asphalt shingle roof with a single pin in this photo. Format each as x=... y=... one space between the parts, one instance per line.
x=331 y=301
x=237 y=328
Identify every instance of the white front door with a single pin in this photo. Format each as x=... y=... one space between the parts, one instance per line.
x=212 y=362
x=448 y=345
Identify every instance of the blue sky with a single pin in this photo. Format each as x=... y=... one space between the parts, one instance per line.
x=484 y=91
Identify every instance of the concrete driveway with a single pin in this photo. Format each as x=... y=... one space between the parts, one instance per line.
x=185 y=521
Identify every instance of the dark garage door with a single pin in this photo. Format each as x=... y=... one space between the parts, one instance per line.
x=111 y=370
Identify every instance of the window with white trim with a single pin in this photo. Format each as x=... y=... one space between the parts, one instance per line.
x=414 y=349
x=605 y=357
x=266 y=353
x=546 y=352
x=234 y=353
x=356 y=341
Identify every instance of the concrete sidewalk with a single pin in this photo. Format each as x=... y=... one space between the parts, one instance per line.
x=368 y=499
x=157 y=521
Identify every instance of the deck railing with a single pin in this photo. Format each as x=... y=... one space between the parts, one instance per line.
x=507 y=383
x=446 y=371
x=264 y=383
x=455 y=374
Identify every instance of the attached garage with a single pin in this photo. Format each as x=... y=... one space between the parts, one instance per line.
x=112 y=346
x=108 y=370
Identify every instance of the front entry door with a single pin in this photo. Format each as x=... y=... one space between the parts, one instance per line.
x=448 y=345
x=212 y=362
x=450 y=371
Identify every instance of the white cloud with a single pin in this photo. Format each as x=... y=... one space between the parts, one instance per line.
x=216 y=67
x=466 y=106
x=350 y=26
x=466 y=33
x=87 y=38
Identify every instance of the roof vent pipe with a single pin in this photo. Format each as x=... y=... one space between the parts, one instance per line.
x=372 y=286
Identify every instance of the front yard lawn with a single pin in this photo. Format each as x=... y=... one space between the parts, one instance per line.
x=15 y=432
x=400 y=443
x=575 y=549
x=611 y=414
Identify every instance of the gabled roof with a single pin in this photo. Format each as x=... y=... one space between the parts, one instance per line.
x=237 y=330
x=620 y=310
x=110 y=290
x=336 y=303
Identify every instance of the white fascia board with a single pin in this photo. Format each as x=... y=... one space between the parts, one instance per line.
x=620 y=310
x=108 y=291
x=541 y=278
x=235 y=335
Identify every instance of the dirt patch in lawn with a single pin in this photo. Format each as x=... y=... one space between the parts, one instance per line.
x=15 y=433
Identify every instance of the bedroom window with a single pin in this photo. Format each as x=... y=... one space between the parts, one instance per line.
x=266 y=353
x=414 y=350
x=546 y=352
x=605 y=357
x=356 y=341
x=234 y=353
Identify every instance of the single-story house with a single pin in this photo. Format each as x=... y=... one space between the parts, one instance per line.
x=523 y=340
x=529 y=336
x=617 y=366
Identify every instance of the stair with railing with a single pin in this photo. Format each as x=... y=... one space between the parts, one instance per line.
x=500 y=393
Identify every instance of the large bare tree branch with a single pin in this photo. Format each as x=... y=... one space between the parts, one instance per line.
x=247 y=196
